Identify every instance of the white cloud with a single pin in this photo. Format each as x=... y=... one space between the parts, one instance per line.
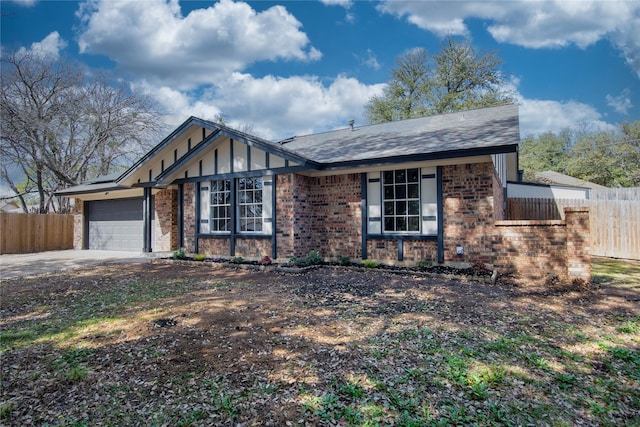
x=343 y=3
x=533 y=24
x=26 y=3
x=49 y=47
x=369 y=59
x=154 y=39
x=621 y=103
x=538 y=116
x=274 y=107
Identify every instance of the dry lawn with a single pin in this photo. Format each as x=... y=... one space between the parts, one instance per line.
x=197 y=344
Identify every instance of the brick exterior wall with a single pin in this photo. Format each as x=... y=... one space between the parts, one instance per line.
x=534 y=250
x=324 y=214
x=165 y=224
x=336 y=215
x=578 y=243
x=467 y=194
x=189 y=217
x=77 y=210
x=213 y=246
x=539 y=250
x=293 y=215
x=499 y=202
x=253 y=248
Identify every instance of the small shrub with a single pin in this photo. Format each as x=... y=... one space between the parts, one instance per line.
x=314 y=258
x=179 y=254
x=265 y=260
x=76 y=373
x=199 y=257
x=480 y=268
x=369 y=263
x=294 y=260
x=236 y=260
x=344 y=260
x=424 y=264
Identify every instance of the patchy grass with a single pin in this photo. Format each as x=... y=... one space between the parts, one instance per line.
x=329 y=347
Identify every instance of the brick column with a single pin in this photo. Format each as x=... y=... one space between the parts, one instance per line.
x=78 y=224
x=578 y=243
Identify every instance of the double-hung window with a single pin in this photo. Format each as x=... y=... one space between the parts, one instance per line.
x=220 y=206
x=249 y=208
x=250 y=205
x=402 y=201
x=401 y=195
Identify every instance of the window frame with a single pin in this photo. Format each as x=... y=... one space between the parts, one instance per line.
x=428 y=203
x=216 y=206
x=250 y=203
x=401 y=195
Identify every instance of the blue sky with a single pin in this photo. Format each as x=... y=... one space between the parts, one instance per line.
x=288 y=68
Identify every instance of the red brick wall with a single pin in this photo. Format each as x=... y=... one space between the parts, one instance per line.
x=499 y=202
x=578 y=243
x=294 y=216
x=336 y=215
x=324 y=214
x=189 y=216
x=214 y=247
x=467 y=193
x=77 y=210
x=253 y=248
x=165 y=225
x=534 y=250
x=539 y=250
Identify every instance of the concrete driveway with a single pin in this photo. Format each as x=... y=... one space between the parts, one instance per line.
x=25 y=265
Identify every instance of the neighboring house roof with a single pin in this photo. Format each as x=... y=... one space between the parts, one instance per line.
x=486 y=131
x=10 y=206
x=551 y=177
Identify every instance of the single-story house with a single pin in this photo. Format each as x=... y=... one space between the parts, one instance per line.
x=428 y=188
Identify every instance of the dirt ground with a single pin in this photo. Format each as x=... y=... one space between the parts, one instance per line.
x=243 y=347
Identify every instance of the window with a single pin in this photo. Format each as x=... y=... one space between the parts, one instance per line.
x=401 y=198
x=402 y=201
x=245 y=202
x=250 y=204
x=220 y=206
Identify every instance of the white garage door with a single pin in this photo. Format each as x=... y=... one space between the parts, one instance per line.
x=116 y=224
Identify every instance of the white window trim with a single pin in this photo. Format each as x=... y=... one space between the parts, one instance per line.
x=428 y=200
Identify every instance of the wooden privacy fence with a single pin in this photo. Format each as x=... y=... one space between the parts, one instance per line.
x=614 y=218
x=26 y=233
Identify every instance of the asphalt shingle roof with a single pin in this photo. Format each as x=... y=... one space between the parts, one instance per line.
x=465 y=130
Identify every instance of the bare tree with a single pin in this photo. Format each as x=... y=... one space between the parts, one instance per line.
x=59 y=128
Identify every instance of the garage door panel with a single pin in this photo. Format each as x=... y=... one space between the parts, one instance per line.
x=116 y=225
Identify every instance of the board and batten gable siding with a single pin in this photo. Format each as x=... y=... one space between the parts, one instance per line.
x=169 y=155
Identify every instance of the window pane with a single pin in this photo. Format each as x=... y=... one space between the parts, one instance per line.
x=388 y=208
x=414 y=223
x=414 y=207
x=388 y=224
x=412 y=175
x=401 y=223
x=401 y=207
x=414 y=191
x=401 y=191
x=401 y=176
x=387 y=177
x=388 y=191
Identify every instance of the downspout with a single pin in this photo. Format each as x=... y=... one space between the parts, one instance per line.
x=440 y=215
